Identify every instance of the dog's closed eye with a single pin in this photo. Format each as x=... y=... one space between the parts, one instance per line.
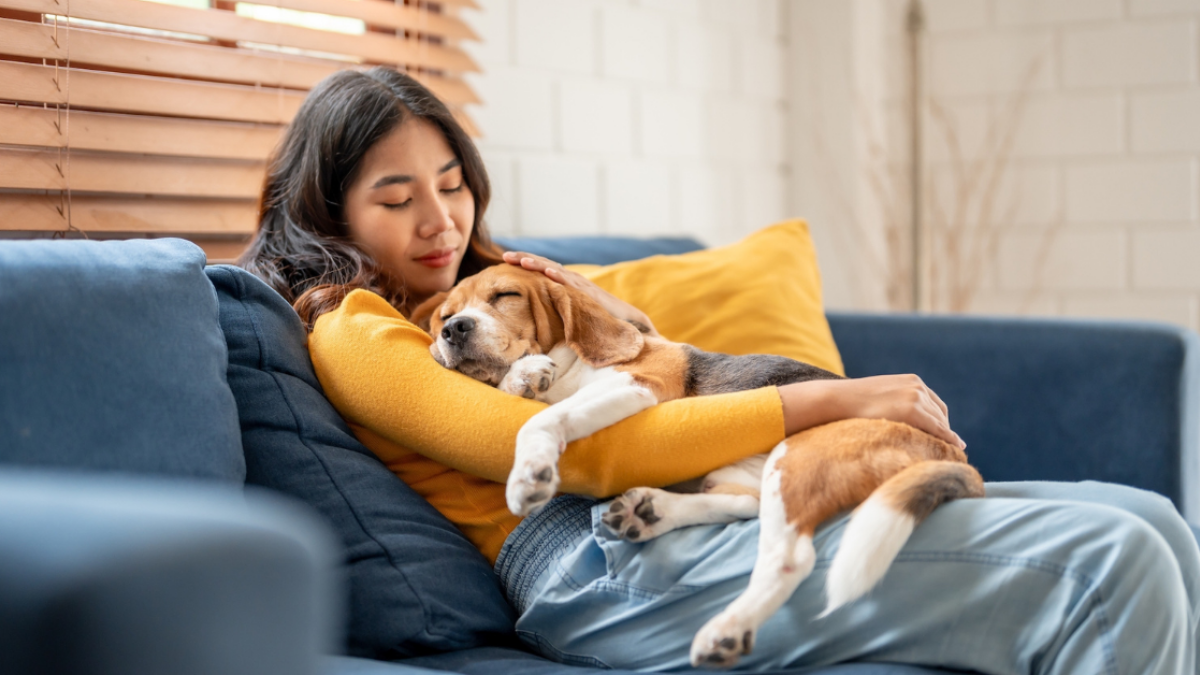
x=503 y=294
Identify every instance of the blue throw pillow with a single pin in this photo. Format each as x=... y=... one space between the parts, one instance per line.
x=416 y=584
x=112 y=359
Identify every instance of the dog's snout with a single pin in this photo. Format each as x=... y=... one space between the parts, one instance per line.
x=456 y=331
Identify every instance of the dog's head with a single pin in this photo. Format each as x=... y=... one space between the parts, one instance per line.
x=488 y=321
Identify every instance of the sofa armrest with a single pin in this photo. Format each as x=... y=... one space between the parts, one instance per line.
x=108 y=574
x=1052 y=399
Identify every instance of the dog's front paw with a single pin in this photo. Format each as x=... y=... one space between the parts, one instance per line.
x=534 y=477
x=722 y=641
x=635 y=515
x=529 y=376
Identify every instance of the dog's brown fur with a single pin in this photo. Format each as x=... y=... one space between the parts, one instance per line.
x=833 y=467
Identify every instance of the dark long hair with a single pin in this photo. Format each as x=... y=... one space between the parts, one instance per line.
x=303 y=248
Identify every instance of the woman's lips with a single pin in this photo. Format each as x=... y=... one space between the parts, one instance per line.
x=436 y=259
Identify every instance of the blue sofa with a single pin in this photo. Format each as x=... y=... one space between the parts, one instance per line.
x=176 y=494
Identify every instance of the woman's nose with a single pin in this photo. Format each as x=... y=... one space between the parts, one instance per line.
x=435 y=218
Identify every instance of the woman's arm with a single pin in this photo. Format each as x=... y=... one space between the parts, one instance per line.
x=901 y=398
x=376 y=369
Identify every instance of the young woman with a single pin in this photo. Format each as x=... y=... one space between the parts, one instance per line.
x=375 y=201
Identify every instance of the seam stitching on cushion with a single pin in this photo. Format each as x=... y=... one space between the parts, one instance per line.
x=349 y=506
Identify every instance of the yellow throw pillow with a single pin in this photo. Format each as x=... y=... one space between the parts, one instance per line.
x=761 y=295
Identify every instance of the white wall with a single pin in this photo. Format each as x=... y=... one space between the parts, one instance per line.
x=1098 y=206
x=636 y=117
x=716 y=117
x=1109 y=148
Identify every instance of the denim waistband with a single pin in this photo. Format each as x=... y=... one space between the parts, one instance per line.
x=538 y=541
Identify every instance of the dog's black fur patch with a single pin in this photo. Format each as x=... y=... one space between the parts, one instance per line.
x=710 y=373
x=955 y=483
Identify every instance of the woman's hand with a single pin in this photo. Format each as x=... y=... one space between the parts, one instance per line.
x=900 y=398
x=555 y=272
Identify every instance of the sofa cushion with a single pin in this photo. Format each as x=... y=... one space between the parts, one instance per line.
x=416 y=585
x=112 y=359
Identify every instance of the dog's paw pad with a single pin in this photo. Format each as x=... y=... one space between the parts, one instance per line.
x=632 y=516
x=530 y=487
x=721 y=642
x=529 y=376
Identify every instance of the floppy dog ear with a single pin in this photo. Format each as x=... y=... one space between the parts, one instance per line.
x=423 y=314
x=599 y=338
x=547 y=324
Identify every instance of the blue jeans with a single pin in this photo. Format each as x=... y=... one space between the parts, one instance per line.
x=1084 y=578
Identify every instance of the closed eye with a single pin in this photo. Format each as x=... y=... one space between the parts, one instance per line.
x=504 y=294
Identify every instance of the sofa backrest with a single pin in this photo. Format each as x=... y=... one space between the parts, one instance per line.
x=112 y=359
x=599 y=250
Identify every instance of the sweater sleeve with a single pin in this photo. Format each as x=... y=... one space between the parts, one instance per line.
x=376 y=369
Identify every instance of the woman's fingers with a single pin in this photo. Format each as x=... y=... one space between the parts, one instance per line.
x=528 y=260
x=935 y=426
x=904 y=398
x=537 y=263
x=941 y=415
x=938 y=400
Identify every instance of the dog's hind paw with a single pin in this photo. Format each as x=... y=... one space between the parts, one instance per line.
x=634 y=516
x=722 y=641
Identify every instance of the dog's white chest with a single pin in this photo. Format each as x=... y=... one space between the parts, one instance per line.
x=571 y=374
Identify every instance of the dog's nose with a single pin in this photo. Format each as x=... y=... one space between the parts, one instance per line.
x=456 y=330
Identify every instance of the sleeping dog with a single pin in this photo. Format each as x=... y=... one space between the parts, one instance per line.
x=532 y=337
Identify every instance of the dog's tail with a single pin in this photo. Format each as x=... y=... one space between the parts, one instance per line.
x=880 y=526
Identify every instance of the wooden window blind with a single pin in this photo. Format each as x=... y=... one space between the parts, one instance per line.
x=136 y=118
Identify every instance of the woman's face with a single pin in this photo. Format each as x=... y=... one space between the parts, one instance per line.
x=410 y=209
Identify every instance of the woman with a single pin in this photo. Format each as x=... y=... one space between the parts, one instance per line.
x=375 y=201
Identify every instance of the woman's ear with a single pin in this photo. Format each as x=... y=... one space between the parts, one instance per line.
x=424 y=311
x=599 y=338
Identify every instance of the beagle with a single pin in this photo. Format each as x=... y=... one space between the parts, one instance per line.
x=532 y=337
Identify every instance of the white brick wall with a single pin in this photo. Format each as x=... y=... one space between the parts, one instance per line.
x=633 y=117
x=716 y=117
x=1105 y=156
x=1107 y=153
x=1130 y=54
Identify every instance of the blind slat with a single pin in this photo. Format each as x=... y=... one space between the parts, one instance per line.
x=452 y=91
x=221 y=250
x=51 y=170
x=102 y=49
x=40 y=213
x=27 y=82
x=229 y=26
x=128 y=52
x=386 y=15
x=135 y=134
x=469 y=4
x=33 y=83
x=166 y=134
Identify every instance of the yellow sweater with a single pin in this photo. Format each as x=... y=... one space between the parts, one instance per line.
x=451 y=438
